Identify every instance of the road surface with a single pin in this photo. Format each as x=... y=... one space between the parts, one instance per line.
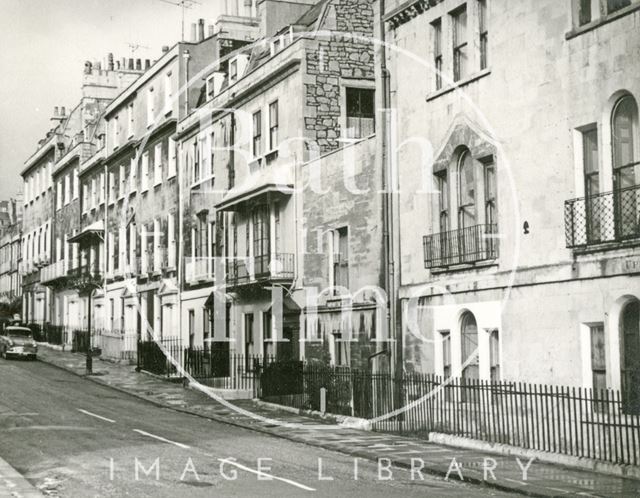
x=71 y=437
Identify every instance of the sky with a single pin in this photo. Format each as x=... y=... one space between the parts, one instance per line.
x=43 y=47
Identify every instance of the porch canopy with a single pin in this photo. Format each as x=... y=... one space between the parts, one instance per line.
x=89 y=233
x=269 y=180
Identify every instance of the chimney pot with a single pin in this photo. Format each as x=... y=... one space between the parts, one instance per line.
x=87 y=67
x=62 y=111
x=118 y=65
x=138 y=65
x=131 y=64
x=200 y=29
x=165 y=49
x=55 y=111
x=110 y=62
x=147 y=63
x=98 y=65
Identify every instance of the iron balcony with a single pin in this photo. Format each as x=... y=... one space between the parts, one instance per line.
x=463 y=246
x=603 y=218
x=279 y=267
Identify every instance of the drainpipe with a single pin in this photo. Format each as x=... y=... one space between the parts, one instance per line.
x=387 y=199
x=179 y=267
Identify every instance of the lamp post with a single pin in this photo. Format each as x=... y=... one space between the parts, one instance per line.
x=88 y=285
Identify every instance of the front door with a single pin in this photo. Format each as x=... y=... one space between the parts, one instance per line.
x=630 y=346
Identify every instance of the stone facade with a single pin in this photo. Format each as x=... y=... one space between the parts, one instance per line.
x=346 y=53
x=350 y=202
x=534 y=301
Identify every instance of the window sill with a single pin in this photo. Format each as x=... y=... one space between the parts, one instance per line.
x=157 y=184
x=606 y=246
x=463 y=267
x=196 y=185
x=272 y=155
x=458 y=84
x=579 y=30
x=171 y=175
x=255 y=164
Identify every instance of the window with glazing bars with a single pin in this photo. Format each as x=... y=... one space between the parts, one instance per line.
x=273 y=125
x=341 y=258
x=261 y=239
x=257 y=134
x=484 y=33
x=494 y=355
x=437 y=51
x=360 y=112
x=615 y=5
x=196 y=161
x=459 y=21
x=598 y=359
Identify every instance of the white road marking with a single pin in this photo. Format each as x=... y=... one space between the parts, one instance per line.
x=516 y=481
x=270 y=476
x=160 y=438
x=96 y=416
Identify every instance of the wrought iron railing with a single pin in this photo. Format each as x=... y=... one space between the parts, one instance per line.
x=278 y=266
x=161 y=357
x=199 y=269
x=590 y=423
x=32 y=277
x=465 y=245
x=53 y=271
x=606 y=217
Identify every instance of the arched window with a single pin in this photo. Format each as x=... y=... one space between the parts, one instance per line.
x=623 y=127
x=625 y=166
x=469 y=340
x=466 y=191
x=630 y=356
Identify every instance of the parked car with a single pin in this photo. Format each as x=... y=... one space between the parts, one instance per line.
x=18 y=342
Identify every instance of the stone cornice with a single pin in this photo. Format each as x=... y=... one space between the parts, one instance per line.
x=407 y=11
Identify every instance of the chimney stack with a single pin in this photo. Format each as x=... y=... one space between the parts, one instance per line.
x=200 y=29
x=62 y=112
x=131 y=64
x=110 y=62
x=147 y=64
x=138 y=64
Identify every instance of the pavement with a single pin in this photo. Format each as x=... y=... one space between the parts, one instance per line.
x=501 y=473
x=71 y=437
x=12 y=483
